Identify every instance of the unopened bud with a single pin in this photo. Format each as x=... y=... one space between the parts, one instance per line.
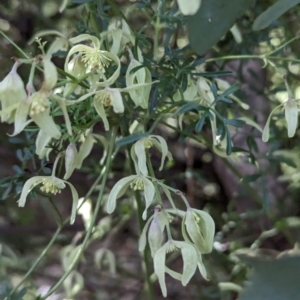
x=70 y=160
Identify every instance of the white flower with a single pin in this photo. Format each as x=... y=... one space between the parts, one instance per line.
x=37 y=105
x=105 y=98
x=52 y=185
x=141 y=76
x=12 y=92
x=95 y=59
x=191 y=259
x=137 y=183
x=291 y=115
x=70 y=160
x=189 y=7
x=198 y=227
x=138 y=152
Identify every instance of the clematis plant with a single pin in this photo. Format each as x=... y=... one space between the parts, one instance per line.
x=290 y=112
x=50 y=185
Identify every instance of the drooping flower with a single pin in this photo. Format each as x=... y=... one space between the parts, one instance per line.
x=12 y=92
x=191 y=259
x=105 y=98
x=70 y=160
x=189 y=7
x=37 y=104
x=50 y=185
x=137 y=183
x=139 y=148
x=198 y=227
x=290 y=112
x=141 y=76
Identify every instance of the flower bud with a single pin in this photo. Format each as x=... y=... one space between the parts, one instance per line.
x=155 y=234
x=70 y=160
x=12 y=91
x=190 y=7
x=139 y=96
x=75 y=67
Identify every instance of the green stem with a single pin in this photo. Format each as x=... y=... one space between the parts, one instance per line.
x=93 y=220
x=156 y=32
x=146 y=254
x=261 y=57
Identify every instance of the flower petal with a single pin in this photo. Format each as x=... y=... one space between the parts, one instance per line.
x=84 y=150
x=116 y=191
x=155 y=236
x=291 y=116
x=101 y=112
x=45 y=122
x=207 y=226
x=74 y=201
x=70 y=160
x=84 y=37
x=21 y=116
x=116 y=100
x=50 y=74
x=190 y=7
x=190 y=259
x=42 y=140
x=139 y=150
x=266 y=133
x=159 y=267
x=143 y=238
x=149 y=192
x=28 y=186
x=163 y=147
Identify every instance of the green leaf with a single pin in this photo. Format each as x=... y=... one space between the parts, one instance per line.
x=284 y=159
x=251 y=178
x=213 y=20
x=81 y=1
x=273 y=13
x=275 y=278
x=200 y=123
x=229 y=91
x=130 y=139
x=189 y=106
x=234 y=122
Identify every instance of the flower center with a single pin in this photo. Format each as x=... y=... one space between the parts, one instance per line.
x=103 y=97
x=49 y=185
x=137 y=184
x=39 y=103
x=95 y=59
x=171 y=247
x=148 y=143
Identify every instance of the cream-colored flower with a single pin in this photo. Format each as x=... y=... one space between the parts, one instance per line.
x=137 y=183
x=12 y=92
x=142 y=76
x=50 y=185
x=291 y=114
x=189 y=7
x=96 y=60
x=138 y=152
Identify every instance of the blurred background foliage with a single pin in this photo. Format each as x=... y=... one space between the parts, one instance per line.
x=254 y=199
